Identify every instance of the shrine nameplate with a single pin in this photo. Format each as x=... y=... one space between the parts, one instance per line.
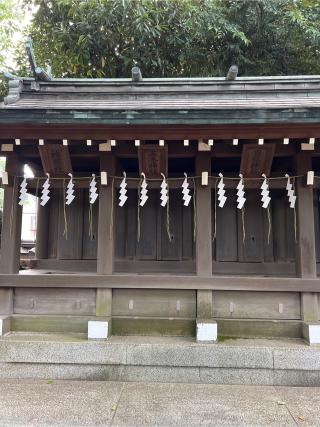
x=256 y=160
x=153 y=160
x=55 y=159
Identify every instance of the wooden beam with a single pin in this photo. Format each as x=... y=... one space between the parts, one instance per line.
x=305 y=246
x=203 y=218
x=93 y=131
x=156 y=281
x=11 y=219
x=105 y=254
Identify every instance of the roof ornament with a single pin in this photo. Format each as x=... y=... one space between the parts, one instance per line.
x=38 y=72
x=136 y=74
x=232 y=72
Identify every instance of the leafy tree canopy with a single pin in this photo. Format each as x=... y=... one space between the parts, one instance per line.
x=175 y=38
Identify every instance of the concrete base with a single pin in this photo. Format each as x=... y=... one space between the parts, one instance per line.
x=207 y=331
x=311 y=332
x=98 y=329
x=238 y=361
x=4 y=325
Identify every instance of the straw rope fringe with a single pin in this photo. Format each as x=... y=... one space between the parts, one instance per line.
x=269 y=223
x=226 y=178
x=243 y=226
x=194 y=178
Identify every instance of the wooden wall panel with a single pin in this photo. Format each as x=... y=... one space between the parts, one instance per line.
x=120 y=235
x=55 y=204
x=54 y=301
x=147 y=246
x=130 y=225
x=256 y=305
x=267 y=244
x=154 y=242
x=229 y=245
x=171 y=250
x=154 y=303
x=252 y=248
x=188 y=245
x=70 y=246
x=227 y=230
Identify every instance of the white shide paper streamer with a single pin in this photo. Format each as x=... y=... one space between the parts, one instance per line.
x=290 y=192
x=164 y=191
x=123 y=191
x=23 y=191
x=45 y=191
x=240 y=193
x=186 y=191
x=265 y=193
x=93 y=193
x=221 y=192
x=143 y=190
x=70 y=190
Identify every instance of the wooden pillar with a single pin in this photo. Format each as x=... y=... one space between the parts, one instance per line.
x=204 y=304
x=104 y=302
x=11 y=220
x=204 y=234
x=105 y=253
x=305 y=247
x=203 y=214
x=42 y=231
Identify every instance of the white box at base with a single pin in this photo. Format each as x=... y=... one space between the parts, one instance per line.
x=311 y=332
x=4 y=325
x=98 y=329
x=207 y=331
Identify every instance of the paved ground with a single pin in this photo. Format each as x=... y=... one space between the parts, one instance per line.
x=31 y=403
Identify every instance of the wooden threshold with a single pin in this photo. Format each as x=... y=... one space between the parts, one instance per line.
x=159 y=281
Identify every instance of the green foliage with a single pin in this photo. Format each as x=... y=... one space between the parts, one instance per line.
x=166 y=38
x=12 y=13
x=105 y=38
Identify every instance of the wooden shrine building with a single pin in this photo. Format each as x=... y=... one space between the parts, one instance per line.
x=144 y=268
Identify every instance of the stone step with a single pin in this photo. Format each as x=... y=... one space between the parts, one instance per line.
x=236 y=361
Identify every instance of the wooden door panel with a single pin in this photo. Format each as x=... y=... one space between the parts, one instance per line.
x=147 y=245
x=70 y=246
x=227 y=230
x=187 y=231
x=251 y=248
